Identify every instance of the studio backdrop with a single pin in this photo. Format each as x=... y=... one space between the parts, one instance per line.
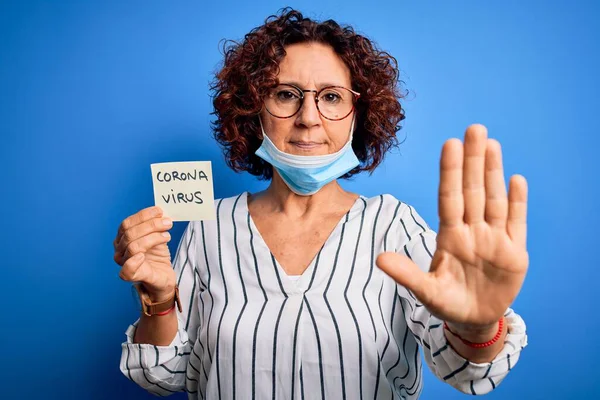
x=93 y=92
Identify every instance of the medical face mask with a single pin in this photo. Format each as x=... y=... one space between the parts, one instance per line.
x=306 y=175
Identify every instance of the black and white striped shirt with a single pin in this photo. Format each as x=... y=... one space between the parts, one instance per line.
x=342 y=330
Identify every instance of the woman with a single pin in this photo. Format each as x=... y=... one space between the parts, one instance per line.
x=279 y=297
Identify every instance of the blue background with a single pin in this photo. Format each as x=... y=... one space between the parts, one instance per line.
x=91 y=93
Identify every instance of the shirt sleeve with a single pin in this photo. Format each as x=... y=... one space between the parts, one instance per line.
x=161 y=370
x=418 y=242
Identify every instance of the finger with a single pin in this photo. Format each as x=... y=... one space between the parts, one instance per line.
x=473 y=173
x=408 y=274
x=496 y=201
x=119 y=258
x=159 y=224
x=450 y=199
x=517 y=210
x=147 y=242
x=138 y=218
x=132 y=270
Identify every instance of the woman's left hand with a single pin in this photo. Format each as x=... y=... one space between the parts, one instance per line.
x=481 y=258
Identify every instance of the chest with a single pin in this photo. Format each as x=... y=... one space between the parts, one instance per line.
x=294 y=245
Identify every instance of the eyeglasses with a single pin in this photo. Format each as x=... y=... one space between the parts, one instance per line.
x=333 y=102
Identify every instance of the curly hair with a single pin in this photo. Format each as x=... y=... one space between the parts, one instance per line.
x=250 y=69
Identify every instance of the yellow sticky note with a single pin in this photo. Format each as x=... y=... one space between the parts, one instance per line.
x=184 y=190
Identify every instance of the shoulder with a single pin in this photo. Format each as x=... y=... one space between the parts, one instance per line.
x=226 y=205
x=230 y=219
x=384 y=205
x=223 y=206
x=231 y=202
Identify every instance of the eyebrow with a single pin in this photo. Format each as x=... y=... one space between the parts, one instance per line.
x=326 y=84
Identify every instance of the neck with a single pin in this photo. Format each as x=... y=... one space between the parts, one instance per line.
x=282 y=199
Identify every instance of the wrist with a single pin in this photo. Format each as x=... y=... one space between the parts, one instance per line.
x=162 y=295
x=477 y=333
x=159 y=302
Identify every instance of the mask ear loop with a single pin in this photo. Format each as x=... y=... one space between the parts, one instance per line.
x=352 y=127
x=267 y=138
x=349 y=142
x=262 y=129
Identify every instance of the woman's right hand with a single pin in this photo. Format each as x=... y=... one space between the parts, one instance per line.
x=142 y=252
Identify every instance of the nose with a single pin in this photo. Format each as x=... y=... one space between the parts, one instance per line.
x=308 y=115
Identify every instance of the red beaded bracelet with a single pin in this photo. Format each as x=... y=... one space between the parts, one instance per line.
x=166 y=311
x=480 y=345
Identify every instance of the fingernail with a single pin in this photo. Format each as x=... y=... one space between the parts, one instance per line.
x=166 y=221
x=165 y=234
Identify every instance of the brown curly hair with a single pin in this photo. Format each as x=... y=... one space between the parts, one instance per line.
x=250 y=69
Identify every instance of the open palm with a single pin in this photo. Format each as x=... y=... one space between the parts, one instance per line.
x=481 y=258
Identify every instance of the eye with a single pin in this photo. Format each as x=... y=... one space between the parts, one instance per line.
x=286 y=95
x=330 y=97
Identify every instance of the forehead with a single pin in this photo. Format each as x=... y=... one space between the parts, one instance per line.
x=313 y=64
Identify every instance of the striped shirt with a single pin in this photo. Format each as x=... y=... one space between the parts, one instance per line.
x=341 y=330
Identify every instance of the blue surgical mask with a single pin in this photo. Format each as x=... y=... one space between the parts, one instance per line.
x=306 y=175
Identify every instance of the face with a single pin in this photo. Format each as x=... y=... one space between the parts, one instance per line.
x=310 y=66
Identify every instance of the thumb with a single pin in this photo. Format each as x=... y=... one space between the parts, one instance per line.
x=404 y=271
